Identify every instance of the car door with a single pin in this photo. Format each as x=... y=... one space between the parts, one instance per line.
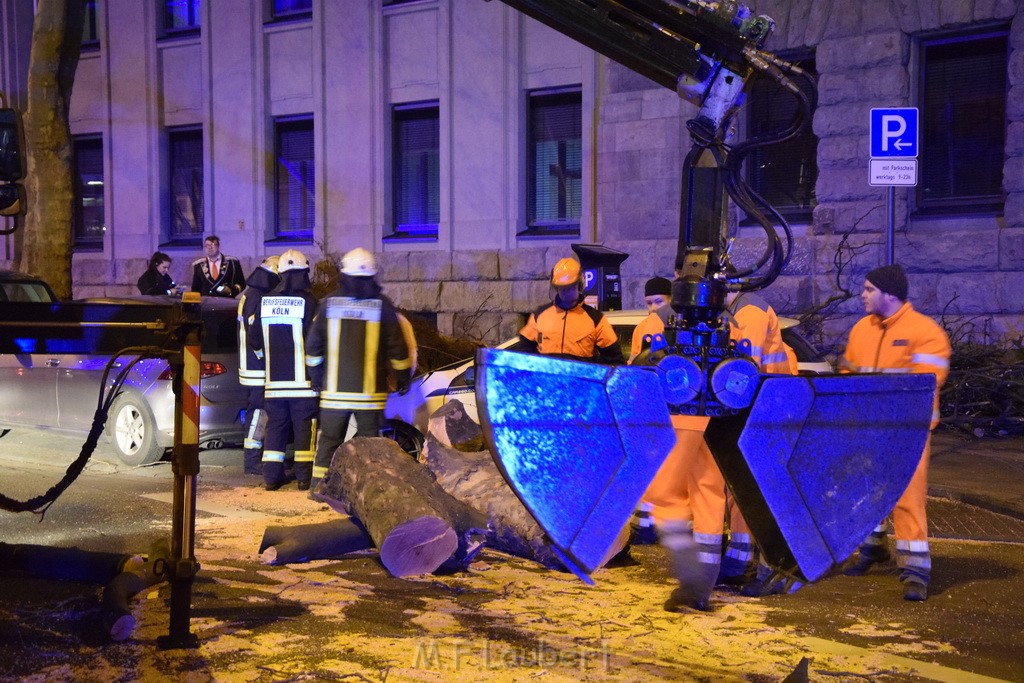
x=28 y=390
x=78 y=388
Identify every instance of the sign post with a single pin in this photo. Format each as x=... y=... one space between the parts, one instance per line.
x=894 y=150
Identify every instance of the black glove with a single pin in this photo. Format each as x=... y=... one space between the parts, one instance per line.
x=403 y=380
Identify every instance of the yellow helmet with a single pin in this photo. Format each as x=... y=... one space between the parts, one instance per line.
x=270 y=263
x=292 y=260
x=358 y=262
x=565 y=272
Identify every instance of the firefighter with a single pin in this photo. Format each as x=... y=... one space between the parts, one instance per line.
x=567 y=327
x=893 y=337
x=355 y=346
x=277 y=336
x=251 y=371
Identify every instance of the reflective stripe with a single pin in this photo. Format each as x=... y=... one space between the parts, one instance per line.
x=708 y=558
x=740 y=538
x=313 y=361
x=755 y=351
x=773 y=358
x=403 y=364
x=935 y=415
x=895 y=371
x=319 y=471
x=290 y=393
x=708 y=539
x=252 y=444
x=273 y=456
x=736 y=553
x=912 y=546
x=931 y=359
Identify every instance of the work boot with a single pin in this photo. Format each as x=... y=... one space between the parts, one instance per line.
x=769 y=581
x=643 y=526
x=273 y=475
x=866 y=556
x=914 y=589
x=696 y=578
x=252 y=462
x=303 y=474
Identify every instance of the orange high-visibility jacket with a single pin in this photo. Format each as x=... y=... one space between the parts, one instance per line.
x=756 y=321
x=581 y=332
x=905 y=342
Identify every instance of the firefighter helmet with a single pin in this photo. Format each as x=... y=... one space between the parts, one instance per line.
x=358 y=262
x=565 y=272
x=270 y=263
x=292 y=260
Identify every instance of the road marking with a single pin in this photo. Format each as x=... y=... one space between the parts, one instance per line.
x=935 y=672
x=213 y=509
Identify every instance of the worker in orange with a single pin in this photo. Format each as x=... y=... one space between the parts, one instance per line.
x=893 y=337
x=687 y=497
x=567 y=327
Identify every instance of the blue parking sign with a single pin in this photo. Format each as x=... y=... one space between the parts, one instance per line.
x=894 y=132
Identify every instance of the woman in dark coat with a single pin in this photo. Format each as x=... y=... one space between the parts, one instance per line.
x=156 y=279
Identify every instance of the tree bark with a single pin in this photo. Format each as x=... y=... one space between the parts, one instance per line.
x=305 y=542
x=47 y=237
x=416 y=525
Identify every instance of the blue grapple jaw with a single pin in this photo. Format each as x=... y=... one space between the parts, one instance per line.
x=815 y=463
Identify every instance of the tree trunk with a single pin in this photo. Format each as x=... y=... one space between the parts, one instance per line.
x=305 y=542
x=414 y=523
x=47 y=237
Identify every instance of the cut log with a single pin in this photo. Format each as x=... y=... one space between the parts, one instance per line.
x=474 y=479
x=137 y=575
x=305 y=542
x=62 y=564
x=455 y=429
x=374 y=480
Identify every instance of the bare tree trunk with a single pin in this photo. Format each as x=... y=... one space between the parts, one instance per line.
x=56 y=45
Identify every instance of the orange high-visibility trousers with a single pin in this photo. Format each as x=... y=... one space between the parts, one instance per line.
x=689 y=485
x=909 y=521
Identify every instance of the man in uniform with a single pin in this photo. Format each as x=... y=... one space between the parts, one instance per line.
x=567 y=327
x=355 y=344
x=251 y=370
x=277 y=336
x=893 y=337
x=217 y=274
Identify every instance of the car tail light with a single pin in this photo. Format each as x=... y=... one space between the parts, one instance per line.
x=207 y=369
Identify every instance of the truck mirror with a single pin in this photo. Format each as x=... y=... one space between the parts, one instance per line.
x=12 y=159
x=12 y=199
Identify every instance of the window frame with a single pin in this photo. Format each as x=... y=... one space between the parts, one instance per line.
x=165 y=14
x=281 y=15
x=281 y=125
x=412 y=111
x=172 y=236
x=91 y=39
x=80 y=241
x=991 y=204
x=806 y=142
x=559 y=227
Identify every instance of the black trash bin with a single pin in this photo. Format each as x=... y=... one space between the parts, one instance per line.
x=601 y=275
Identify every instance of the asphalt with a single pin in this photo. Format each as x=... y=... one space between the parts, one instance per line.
x=976 y=487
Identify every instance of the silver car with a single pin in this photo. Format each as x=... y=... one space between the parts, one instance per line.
x=61 y=391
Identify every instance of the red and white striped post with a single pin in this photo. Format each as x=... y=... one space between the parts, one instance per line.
x=185 y=465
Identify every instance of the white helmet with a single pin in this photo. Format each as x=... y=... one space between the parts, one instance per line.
x=292 y=260
x=358 y=262
x=270 y=263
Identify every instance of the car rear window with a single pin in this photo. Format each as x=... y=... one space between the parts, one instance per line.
x=32 y=292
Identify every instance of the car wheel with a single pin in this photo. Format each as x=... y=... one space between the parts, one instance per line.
x=405 y=435
x=132 y=431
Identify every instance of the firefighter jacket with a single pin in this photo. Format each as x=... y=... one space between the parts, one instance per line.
x=278 y=337
x=581 y=333
x=754 y=320
x=355 y=345
x=251 y=371
x=905 y=342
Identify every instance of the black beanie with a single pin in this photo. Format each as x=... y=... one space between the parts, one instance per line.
x=657 y=285
x=889 y=279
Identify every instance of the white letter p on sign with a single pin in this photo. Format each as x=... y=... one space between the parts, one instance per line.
x=893 y=127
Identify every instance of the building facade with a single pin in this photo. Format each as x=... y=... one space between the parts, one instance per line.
x=470 y=146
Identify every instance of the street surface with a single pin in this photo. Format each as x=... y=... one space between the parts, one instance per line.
x=506 y=619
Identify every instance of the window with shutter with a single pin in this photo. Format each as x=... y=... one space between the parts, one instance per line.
x=294 y=179
x=416 y=183
x=963 y=122
x=554 y=168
